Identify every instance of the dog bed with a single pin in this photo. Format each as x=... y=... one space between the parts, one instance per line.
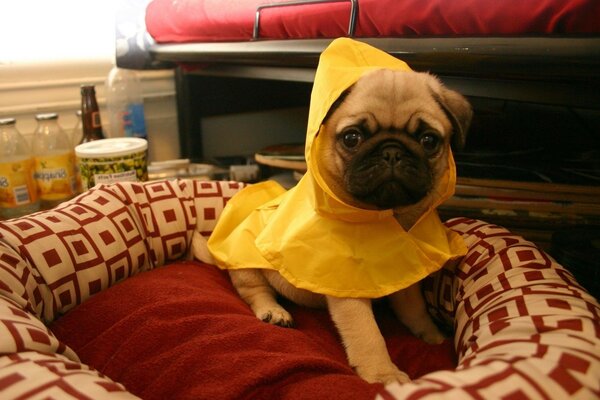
x=97 y=301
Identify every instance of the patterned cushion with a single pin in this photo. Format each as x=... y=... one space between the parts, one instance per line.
x=523 y=327
x=52 y=261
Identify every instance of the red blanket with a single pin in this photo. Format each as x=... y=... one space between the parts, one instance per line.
x=229 y=20
x=181 y=331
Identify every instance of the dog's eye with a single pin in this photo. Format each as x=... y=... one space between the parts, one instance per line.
x=430 y=142
x=352 y=138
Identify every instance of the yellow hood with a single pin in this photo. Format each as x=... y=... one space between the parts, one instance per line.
x=342 y=63
x=310 y=236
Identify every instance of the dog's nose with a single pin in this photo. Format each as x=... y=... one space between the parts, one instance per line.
x=392 y=154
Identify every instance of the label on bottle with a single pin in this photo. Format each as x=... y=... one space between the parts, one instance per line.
x=55 y=176
x=96 y=122
x=134 y=124
x=17 y=186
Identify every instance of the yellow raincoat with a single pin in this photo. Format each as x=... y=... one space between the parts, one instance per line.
x=310 y=236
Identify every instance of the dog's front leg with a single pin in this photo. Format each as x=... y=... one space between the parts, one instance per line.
x=365 y=346
x=199 y=249
x=254 y=289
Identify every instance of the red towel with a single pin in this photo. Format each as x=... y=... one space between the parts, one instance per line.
x=182 y=332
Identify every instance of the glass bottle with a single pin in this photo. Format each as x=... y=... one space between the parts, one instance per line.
x=18 y=191
x=55 y=171
x=90 y=115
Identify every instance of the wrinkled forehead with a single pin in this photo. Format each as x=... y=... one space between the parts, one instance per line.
x=391 y=100
x=398 y=82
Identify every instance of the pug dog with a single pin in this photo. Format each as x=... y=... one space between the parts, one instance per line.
x=386 y=143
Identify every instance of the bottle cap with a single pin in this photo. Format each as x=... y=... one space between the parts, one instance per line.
x=7 y=121
x=46 y=116
x=114 y=147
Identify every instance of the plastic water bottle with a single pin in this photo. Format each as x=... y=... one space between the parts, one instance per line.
x=125 y=104
x=18 y=191
x=54 y=156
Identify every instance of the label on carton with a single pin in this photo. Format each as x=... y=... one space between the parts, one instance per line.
x=126 y=176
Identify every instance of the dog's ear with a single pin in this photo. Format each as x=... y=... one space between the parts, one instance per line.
x=336 y=104
x=459 y=111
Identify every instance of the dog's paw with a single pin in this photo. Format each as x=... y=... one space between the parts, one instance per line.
x=382 y=374
x=275 y=316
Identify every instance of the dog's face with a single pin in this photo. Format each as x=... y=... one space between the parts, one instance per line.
x=385 y=143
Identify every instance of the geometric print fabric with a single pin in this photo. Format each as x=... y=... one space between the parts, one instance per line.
x=107 y=234
x=53 y=260
x=523 y=326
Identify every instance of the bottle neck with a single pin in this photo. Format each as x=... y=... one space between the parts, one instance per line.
x=49 y=137
x=48 y=127
x=11 y=143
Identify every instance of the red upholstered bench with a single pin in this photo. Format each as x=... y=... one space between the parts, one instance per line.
x=97 y=300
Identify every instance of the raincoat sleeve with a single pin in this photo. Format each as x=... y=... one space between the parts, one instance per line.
x=232 y=241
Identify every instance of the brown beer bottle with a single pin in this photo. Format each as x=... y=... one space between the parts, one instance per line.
x=90 y=115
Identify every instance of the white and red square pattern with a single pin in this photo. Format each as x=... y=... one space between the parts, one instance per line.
x=524 y=328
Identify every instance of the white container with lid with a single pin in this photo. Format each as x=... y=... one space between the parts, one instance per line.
x=112 y=160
